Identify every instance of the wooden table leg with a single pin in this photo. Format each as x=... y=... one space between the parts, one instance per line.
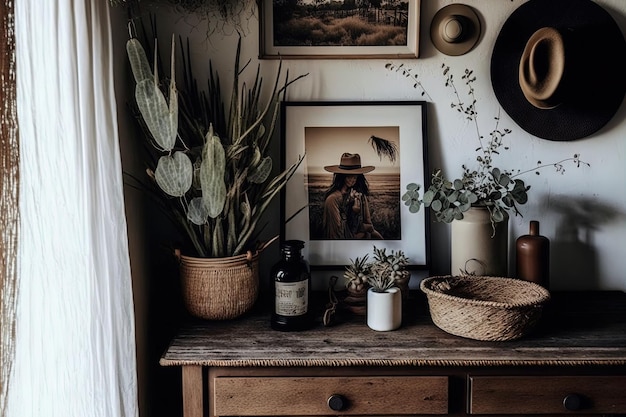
x=192 y=391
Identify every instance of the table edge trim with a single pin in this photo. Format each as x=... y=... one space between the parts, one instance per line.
x=242 y=363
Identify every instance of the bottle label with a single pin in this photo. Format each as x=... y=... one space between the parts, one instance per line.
x=292 y=298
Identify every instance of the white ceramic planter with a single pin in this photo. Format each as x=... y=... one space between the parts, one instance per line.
x=384 y=309
x=474 y=249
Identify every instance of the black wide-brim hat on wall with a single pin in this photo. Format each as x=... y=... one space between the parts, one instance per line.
x=558 y=68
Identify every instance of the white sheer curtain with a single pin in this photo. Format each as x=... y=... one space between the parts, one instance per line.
x=75 y=338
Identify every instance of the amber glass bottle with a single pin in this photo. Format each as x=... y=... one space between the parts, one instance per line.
x=533 y=256
x=292 y=286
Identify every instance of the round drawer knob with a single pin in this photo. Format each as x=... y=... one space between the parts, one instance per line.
x=337 y=402
x=572 y=402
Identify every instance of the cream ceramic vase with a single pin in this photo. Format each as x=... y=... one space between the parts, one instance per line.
x=475 y=249
x=384 y=309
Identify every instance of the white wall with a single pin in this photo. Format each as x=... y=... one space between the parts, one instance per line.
x=582 y=212
x=588 y=203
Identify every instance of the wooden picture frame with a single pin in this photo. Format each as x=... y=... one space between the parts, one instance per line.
x=322 y=131
x=332 y=30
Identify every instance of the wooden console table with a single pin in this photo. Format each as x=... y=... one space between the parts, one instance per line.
x=574 y=362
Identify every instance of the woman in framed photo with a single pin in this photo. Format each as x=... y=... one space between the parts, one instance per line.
x=346 y=205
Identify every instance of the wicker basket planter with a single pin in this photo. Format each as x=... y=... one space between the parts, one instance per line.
x=484 y=308
x=219 y=288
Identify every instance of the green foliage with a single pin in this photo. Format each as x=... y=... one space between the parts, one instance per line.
x=160 y=117
x=408 y=73
x=212 y=174
x=499 y=190
x=174 y=174
x=212 y=170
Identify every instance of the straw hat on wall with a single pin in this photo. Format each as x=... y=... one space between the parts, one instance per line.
x=455 y=29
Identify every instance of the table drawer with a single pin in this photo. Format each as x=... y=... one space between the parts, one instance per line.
x=377 y=395
x=546 y=394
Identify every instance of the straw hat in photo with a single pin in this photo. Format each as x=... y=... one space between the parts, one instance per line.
x=558 y=68
x=455 y=29
x=350 y=164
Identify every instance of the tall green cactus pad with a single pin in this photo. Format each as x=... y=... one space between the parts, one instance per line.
x=174 y=174
x=161 y=119
x=261 y=171
x=212 y=175
x=138 y=61
x=198 y=212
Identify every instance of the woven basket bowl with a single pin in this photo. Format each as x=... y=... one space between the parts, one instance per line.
x=219 y=288
x=484 y=308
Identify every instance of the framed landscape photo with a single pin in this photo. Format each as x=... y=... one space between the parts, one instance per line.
x=346 y=195
x=339 y=28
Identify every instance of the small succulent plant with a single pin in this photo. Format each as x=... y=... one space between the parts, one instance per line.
x=382 y=273
x=387 y=269
x=357 y=273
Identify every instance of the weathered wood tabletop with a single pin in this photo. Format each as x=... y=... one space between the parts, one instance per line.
x=576 y=329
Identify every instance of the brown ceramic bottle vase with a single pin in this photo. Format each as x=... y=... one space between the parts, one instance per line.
x=533 y=256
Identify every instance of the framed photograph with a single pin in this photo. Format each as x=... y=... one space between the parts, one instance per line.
x=346 y=195
x=339 y=29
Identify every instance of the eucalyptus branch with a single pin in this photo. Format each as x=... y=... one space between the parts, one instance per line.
x=557 y=165
x=408 y=73
x=500 y=191
x=470 y=110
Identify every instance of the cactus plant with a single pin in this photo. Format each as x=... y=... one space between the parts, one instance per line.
x=217 y=190
x=356 y=274
x=387 y=269
x=383 y=272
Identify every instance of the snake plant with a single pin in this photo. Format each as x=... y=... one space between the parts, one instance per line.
x=218 y=190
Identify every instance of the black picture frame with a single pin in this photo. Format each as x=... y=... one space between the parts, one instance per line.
x=395 y=31
x=322 y=131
